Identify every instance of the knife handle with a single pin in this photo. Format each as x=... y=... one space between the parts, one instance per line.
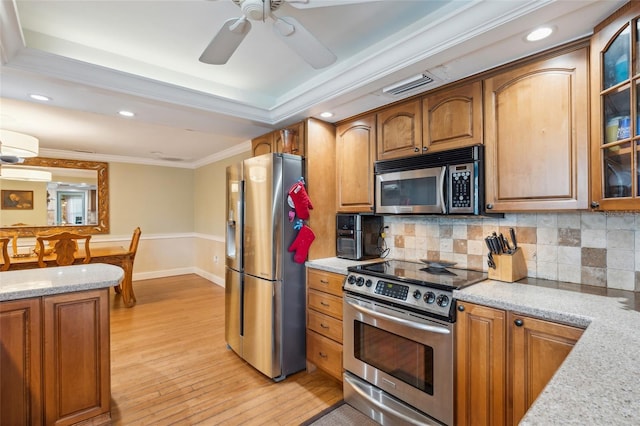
x=512 y=234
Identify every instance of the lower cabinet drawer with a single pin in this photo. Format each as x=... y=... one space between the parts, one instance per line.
x=325 y=325
x=325 y=354
x=325 y=303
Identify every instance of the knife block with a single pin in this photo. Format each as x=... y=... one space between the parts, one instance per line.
x=509 y=267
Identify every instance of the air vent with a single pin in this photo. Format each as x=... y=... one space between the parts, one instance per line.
x=409 y=84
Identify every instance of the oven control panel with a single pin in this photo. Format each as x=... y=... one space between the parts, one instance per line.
x=423 y=298
x=397 y=291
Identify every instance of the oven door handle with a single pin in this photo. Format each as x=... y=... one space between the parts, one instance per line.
x=401 y=321
x=364 y=394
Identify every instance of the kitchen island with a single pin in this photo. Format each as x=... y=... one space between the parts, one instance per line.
x=55 y=344
x=597 y=383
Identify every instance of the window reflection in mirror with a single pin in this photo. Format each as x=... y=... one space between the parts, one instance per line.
x=77 y=196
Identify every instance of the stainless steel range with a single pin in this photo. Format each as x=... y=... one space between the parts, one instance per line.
x=399 y=338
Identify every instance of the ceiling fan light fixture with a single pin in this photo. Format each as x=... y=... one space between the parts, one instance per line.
x=18 y=144
x=255 y=9
x=21 y=173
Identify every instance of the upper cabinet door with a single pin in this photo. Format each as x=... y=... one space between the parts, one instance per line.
x=452 y=118
x=262 y=145
x=615 y=132
x=355 y=155
x=400 y=130
x=536 y=135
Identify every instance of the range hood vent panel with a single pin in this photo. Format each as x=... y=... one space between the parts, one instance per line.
x=409 y=85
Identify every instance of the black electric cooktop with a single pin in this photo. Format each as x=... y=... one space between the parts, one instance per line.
x=421 y=273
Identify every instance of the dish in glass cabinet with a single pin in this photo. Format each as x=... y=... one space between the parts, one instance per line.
x=438 y=264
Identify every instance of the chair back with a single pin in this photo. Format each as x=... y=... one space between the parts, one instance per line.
x=4 y=244
x=133 y=246
x=66 y=245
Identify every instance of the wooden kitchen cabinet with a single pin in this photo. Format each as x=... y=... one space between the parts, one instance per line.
x=263 y=145
x=536 y=134
x=324 y=321
x=355 y=157
x=20 y=358
x=481 y=354
x=399 y=131
x=503 y=361
x=76 y=357
x=55 y=359
x=272 y=141
x=320 y=176
x=615 y=106
x=537 y=348
x=452 y=117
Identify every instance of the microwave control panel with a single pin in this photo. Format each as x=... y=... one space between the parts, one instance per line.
x=462 y=184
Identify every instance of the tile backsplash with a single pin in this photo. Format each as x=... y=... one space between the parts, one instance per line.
x=600 y=249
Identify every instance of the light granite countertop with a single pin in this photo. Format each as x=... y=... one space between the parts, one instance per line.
x=336 y=264
x=37 y=282
x=599 y=382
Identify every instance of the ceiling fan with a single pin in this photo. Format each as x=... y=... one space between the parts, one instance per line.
x=290 y=30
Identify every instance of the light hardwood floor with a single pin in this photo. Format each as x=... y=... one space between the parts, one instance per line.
x=170 y=364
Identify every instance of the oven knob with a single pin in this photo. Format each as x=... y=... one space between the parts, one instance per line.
x=442 y=300
x=360 y=281
x=351 y=279
x=368 y=283
x=429 y=297
x=417 y=294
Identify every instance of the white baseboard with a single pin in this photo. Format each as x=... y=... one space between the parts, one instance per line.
x=179 y=271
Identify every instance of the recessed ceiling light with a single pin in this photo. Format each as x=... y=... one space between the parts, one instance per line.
x=126 y=113
x=539 y=33
x=326 y=114
x=39 y=97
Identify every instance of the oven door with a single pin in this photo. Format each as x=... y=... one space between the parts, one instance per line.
x=411 y=191
x=402 y=354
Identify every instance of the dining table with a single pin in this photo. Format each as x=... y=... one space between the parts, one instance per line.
x=112 y=255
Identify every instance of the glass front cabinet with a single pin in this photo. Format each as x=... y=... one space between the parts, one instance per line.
x=615 y=153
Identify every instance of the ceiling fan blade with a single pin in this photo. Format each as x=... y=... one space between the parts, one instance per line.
x=309 y=4
x=226 y=41
x=300 y=40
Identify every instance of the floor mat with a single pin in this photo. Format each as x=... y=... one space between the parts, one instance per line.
x=340 y=414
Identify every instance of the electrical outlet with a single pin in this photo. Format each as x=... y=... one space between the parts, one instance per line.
x=215 y=259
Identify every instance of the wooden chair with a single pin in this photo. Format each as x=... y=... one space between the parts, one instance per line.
x=133 y=249
x=4 y=244
x=65 y=246
x=13 y=237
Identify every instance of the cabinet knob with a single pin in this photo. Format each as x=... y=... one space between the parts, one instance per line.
x=518 y=323
x=416 y=149
x=425 y=148
x=461 y=308
x=595 y=204
x=489 y=206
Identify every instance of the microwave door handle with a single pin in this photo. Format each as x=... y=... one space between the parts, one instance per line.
x=443 y=173
x=365 y=393
x=401 y=321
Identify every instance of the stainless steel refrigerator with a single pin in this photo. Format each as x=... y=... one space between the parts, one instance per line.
x=264 y=287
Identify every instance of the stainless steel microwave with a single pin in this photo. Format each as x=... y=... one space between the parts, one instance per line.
x=446 y=182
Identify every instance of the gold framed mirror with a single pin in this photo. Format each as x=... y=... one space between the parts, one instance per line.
x=94 y=213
